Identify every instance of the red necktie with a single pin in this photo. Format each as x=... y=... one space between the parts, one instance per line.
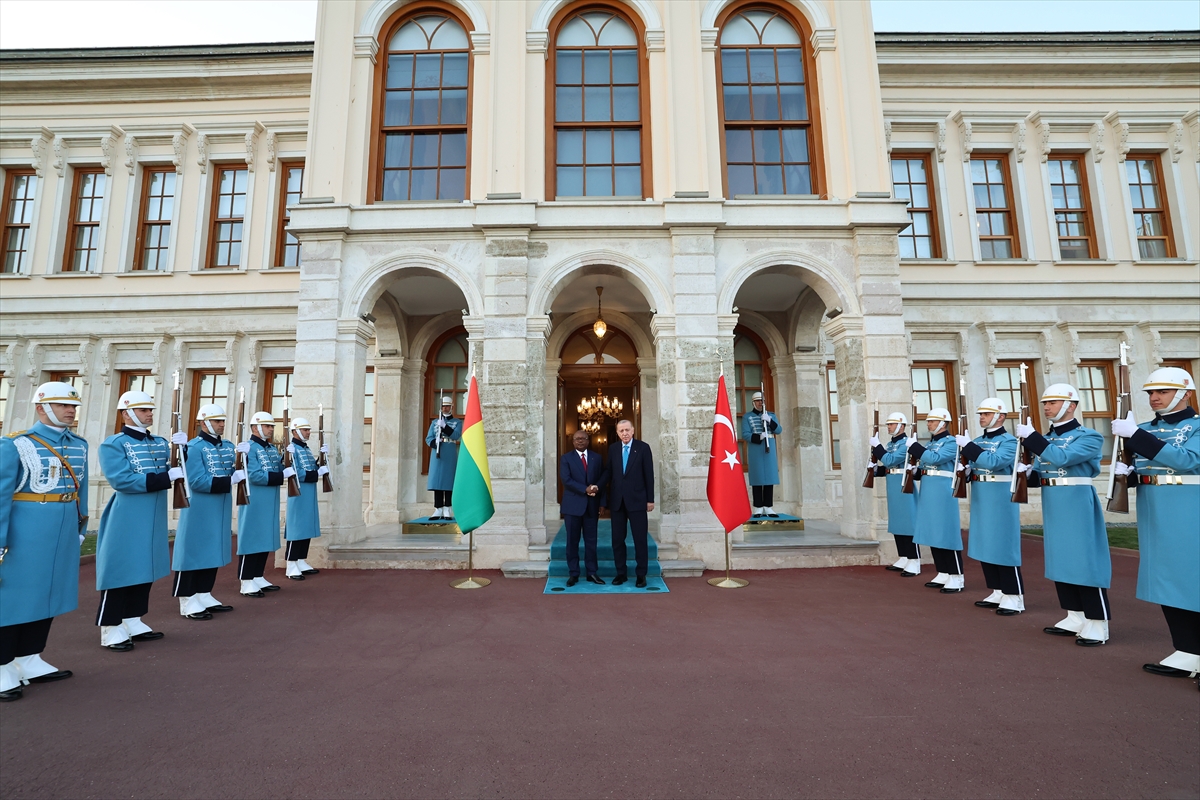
x=583 y=456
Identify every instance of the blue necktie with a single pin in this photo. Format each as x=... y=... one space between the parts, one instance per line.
x=624 y=457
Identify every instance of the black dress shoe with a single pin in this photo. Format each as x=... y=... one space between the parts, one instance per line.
x=61 y=675
x=309 y=571
x=1054 y=630
x=986 y=604
x=773 y=516
x=641 y=582
x=894 y=568
x=571 y=581
x=120 y=647
x=596 y=579
x=934 y=585
x=271 y=588
x=218 y=609
x=907 y=574
x=294 y=578
x=617 y=581
x=148 y=636
x=1163 y=669
x=12 y=694
x=951 y=591
x=257 y=593
x=1007 y=612
x=1089 y=642
x=200 y=615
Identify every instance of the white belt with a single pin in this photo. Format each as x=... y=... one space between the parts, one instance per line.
x=992 y=478
x=1066 y=481
x=938 y=473
x=1169 y=480
x=900 y=471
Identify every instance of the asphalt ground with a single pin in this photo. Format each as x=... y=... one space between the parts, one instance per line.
x=848 y=682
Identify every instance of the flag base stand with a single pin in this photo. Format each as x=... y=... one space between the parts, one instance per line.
x=727 y=582
x=470 y=582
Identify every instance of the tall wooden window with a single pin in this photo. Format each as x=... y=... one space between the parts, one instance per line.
x=287 y=247
x=752 y=373
x=422 y=146
x=835 y=433
x=1007 y=376
x=932 y=384
x=20 y=187
x=911 y=181
x=446 y=376
x=133 y=381
x=154 y=230
x=598 y=139
x=1181 y=363
x=994 y=218
x=228 y=214
x=368 y=417
x=208 y=387
x=277 y=396
x=1072 y=207
x=1150 y=217
x=83 y=234
x=769 y=140
x=1097 y=400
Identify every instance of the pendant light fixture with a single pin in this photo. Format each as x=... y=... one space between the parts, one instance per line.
x=599 y=327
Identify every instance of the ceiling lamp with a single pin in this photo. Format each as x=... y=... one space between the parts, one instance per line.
x=591 y=427
x=596 y=408
x=598 y=327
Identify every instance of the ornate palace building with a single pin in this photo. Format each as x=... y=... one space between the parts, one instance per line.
x=767 y=188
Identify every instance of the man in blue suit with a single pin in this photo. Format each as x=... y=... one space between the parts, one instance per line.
x=629 y=476
x=580 y=473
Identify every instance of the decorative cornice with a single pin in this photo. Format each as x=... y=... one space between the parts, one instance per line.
x=1096 y=135
x=941 y=140
x=964 y=129
x=106 y=361
x=231 y=351
x=252 y=144
x=33 y=359
x=1019 y=140
x=481 y=43
x=536 y=41
x=38 y=145
x=179 y=146
x=108 y=143
x=1043 y=130
x=708 y=38
x=271 y=151
x=131 y=154
x=823 y=39
x=1121 y=131
x=887 y=135
x=60 y=155
x=1192 y=120
x=366 y=46
x=656 y=40
x=202 y=152
x=1176 y=141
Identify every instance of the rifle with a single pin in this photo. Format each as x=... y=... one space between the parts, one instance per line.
x=767 y=436
x=869 y=481
x=437 y=430
x=960 y=476
x=1118 y=485
x=243 y=488
x=293 y=483
x=326 y=483
x=910 y=474
x=1018 y=486
x=181 y=489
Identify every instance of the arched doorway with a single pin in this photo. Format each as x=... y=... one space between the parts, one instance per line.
x=752 y=373
x=446 y=375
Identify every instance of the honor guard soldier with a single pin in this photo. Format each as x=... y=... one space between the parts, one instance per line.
x=1074 y=536
x=258 y=522
x=445 y=432
x=132 y=551
x=902 y=508
x=937 y=522
x=1168 y=495
x=43 y=489
x=759 y=429
x=203 y=540
x=303 y=517
x=995 y=540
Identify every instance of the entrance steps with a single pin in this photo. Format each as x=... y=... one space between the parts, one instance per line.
x=819 y=544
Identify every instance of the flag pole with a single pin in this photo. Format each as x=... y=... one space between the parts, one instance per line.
x=470 y=582
x=728 y=582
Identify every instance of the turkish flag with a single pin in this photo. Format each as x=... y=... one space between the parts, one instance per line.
x=726 y=486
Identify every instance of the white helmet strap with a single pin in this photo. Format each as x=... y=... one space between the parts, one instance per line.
x=50 y=415
x=134 y=422
x=1062 y=411
x=209 y=427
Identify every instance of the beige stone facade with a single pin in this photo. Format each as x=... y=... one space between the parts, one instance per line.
x=816 y=279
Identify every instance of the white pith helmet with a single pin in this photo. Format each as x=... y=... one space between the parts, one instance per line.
x=756 y=396
x=897 y=416
x=135 y=400
x=57 y=392
x=1060 y=391
x=1170 y=378
x=447 y=401
x=992 y=405
x=940 y=414
x=262 y=418
x=209 y=412
x=300 y=423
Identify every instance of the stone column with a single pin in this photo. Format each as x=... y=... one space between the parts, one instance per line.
x=412 y=500
x=537 y=330
x=808 y=422
x=788 y=493
x=386 y=432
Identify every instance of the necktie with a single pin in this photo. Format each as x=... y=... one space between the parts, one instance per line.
x=583 y=457
x=624 y=457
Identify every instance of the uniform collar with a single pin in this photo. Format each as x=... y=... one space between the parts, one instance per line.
x=993 y=434
x=1178 y=416
x=299 y=443
x=134 y=433
x=208 y=437
x=1062 y=428
x=941 y=435
x=900 y=435
x=261 y=441
x=48 y=432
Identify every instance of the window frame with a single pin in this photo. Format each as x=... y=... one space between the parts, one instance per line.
x=73 y=225
x=144 y=224
x=197 y=377
x=1110 y=390
x=219 y=169
x=1164 y=209
x=1010 y=210
x=282 y=218
x=379 y=94
x=267 y=400
x=369 y=421
x=948 y=369
x=811 y=90
x=70 y=376
x=935 y=233
x=835 y=461
x=10 y=176
x=1085 y=191
x=430 y=391
x=563 y=16
x=125 y=380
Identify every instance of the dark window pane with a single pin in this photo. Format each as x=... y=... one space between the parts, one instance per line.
x=598 y=149
x=627 y=147
x=737 y=102
x=737 y=146
x=795 y=144
x=762 y=66
x=791 y=97
x=595 y=67
x=790 y=67
x=624 y=66
x=799 y=179
x=225 y=206
x=568 y=104
x=398 y=109
x=920 y=223
x=399 y=72
x=398 y=150
x=599 y=181
x=425 y=151
x=1152 y=248
x=428 y=72
x=1074 y=197
x=452 y=184
x=766 y=102
x=425 y=107
x=570 y=147
x=454 y=149
x=1001 y=249
x=999 y=224
x=998 y=198
x=769 y=179
x=981 y=196
x=733 y=66
x=625 y=103
x=454 y=69
x=986 y=251
x=741 y=180
x=596 y=103
x=766 y=145
x=568 y=67
x=629 y=181
x=424 y=184
x=1058 y=195
x=395 y=184
x=454 y=107
x=570 y=182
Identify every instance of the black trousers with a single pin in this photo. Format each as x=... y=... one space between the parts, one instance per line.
x=947 y=561
x=1007 y=579
x=905 y=547
x=1185 y=628
x=763 y=495
x=639 y=524
x=585 y=526
x=441 y=499
x=296 y=549
x=252 y=565
x=24 y=639
x=123 y=603
x=1091 y=600
x=194 y=581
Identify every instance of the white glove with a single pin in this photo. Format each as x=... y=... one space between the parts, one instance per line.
x=179 y=437
x=237 y=477
x=291 y=448
x=959 y=467
x=81 y=538
x=325 y=449
x=288 y=472
x=874 y=441
x=243 y=447
x=963 y=441
x=872 y=465
x=910 y=441
x=175 y=473
x=1124 y=427
x=1121 y=468
x=1026 y=430
x=1025 y=468
x=322 y=471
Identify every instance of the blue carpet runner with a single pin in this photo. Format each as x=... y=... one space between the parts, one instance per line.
x=556 y=583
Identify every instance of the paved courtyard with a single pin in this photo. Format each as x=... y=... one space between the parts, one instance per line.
x=847 y=682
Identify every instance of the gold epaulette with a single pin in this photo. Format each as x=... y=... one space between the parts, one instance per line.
x=14 y=434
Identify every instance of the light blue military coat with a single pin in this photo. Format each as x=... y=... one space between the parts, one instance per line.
x=995 y=518
x=303 y=518
x=441 y=467
x=40 y=574
x=764 y=466
x=258 y=523
x=132 y=547
x=1075 y=539
x=902 y=508
x=937 y=523
x=205 y=534
x=1169 y=516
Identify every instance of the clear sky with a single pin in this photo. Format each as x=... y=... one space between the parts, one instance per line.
x=119 y=23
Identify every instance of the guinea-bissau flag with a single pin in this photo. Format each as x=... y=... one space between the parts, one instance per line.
x=472 y=478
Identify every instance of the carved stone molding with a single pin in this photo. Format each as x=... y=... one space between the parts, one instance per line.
x=1193 y=121
x=39 y=145
x=60 y=155
x=823 y=39
x=252 y=144
x=179 y=354
x=106 y=361
x=1019 y=140
x=156 y=355
x=992 y=359
x=179 y=146
x=366 y=46
x=964 y=349
x=271 y=151
x=1096 y=134
x=964 y=129
x=1176 y=141
x=131 y=154
x=108 y=144
x=941 y=140
x=85 y=358
x=10 y=361
x=656 y=41
x=481 y=43
x=231 y=351
x=202 y=152
x=254 y=354
x=1048 y=359
x=708 y=38
x=1044 y=140
x=1121 y=131
x=887 y=135
x=536 y=41
x=1155 y=342
x=33 y=359
x=1072 y=345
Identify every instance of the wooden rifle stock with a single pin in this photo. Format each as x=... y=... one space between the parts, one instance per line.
x=1118 y=485
x=1020 y=484
x=243 y=487
x=179 y=487
x=322 y=461
x=910 y=473
x=869 y=480
x=960 y=476
x=293 y=483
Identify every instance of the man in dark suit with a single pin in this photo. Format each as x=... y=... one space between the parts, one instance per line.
x=580 y=472
x=629 y=475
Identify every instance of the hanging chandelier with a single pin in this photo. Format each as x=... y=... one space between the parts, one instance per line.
x=592 y=427
x=599 y=327
x=593 y=410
